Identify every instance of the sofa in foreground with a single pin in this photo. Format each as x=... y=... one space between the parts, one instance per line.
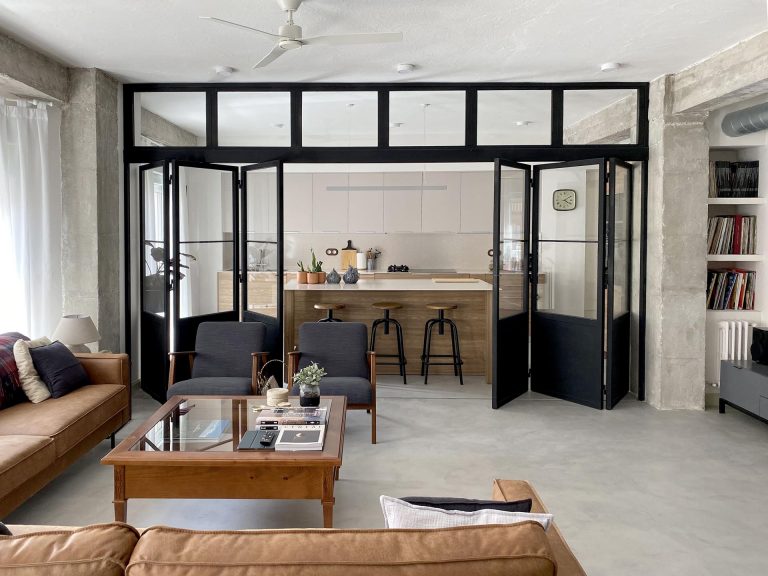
x=116 y=549
x=39 y=441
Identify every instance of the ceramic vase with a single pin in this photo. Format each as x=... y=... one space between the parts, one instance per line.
x=312 y=277
x=333 y=277
x=351 y=276
x=301 y=277
x=309 y=394
x=321 y=277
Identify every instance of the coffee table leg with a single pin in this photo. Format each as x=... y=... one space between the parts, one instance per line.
x=328 y=500
x=121 y=505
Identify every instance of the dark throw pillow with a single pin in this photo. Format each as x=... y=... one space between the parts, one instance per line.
x=59 y=369
x=466 y=505
x=11 y=391
x=4 y=530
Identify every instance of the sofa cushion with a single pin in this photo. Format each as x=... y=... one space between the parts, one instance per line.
x=68 y=419
x=59 y=369
x=401 y=514
x=34 y=387
x=100 y=549
x=468 y=505
x=11 y=391
x=357 y=390
x=21 y=457
x=521 y=549
x=212 y=386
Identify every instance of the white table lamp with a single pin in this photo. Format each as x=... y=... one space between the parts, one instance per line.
x=75 y=331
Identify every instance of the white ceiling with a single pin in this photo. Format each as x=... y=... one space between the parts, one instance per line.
x=449 y=40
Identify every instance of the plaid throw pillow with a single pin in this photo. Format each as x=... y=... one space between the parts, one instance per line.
x=11 y=391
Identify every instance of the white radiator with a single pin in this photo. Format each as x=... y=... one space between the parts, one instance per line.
x=734 y=340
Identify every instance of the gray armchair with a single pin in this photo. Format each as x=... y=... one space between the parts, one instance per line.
x=341 y=349
x=225 y=362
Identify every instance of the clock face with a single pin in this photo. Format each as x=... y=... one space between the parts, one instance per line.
x=564 y=199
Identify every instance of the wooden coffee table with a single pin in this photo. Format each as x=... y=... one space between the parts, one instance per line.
x=166 y=457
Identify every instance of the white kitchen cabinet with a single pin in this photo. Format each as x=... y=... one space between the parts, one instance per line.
x=476 y=202
x=330 y=202
x=366 y=203
x=297 y=203
x=440 y=202
x=402 y=202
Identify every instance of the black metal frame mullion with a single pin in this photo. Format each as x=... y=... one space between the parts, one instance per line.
x=383 y=118
x=601 y=284
x=557 y=117
x=470 y=118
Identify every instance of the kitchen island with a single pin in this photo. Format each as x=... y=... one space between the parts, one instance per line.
x=473 y=316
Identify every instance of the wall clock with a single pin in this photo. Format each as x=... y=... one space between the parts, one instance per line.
x=564 y=199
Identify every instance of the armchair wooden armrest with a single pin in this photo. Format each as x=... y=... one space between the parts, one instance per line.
x=190 y=354
x=258 y=359
x=293 y=366
x=372 y=368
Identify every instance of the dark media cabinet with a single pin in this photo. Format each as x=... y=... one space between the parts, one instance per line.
x=744 y=385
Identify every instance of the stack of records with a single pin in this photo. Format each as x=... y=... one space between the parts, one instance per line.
x=732 y=235
x=731 y=290
x=733 y=179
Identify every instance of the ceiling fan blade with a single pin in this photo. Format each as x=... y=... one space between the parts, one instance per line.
x=269 y=58
x=341 y=39
x=241 y=26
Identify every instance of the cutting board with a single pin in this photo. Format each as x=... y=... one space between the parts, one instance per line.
x=348 y=257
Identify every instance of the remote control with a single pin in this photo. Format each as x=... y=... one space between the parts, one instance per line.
x=267 y=438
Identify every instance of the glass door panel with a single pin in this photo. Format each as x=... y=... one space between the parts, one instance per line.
x=154 y=199
x=618 y=286
x=203 y=265
x=510 y=281
x=261 y=261
x=567 y=338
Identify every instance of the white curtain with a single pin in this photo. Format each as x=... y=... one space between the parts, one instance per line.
x=30 y=218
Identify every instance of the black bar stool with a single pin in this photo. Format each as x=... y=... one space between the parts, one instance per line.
x=386 y=321
x=440 y=322
x=329 y=308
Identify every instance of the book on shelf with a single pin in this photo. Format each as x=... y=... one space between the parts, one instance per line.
x=293 y=416
x=732 y=289
x=732 y=235
x=293 y=438
x=733 y=179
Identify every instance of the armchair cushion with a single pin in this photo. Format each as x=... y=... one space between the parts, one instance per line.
x=224 y=348
x=338 y=347
x=357 y=390
x=210 y=386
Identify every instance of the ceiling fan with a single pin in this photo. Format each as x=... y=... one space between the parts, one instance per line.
x=289 y=35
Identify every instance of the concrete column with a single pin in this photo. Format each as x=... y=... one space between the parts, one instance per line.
x=91 y=202
x=677 y=228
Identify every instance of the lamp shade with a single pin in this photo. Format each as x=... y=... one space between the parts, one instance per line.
x=76 y=329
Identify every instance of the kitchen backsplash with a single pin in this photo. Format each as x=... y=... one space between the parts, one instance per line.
x=419 y=251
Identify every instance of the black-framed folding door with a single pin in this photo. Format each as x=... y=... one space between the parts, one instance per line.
x=510 y=322
x=618 y=281
x=203 y=265
x=568 y=254
x=155 y=305
x=261 y=249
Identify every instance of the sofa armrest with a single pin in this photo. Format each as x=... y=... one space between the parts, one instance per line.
x=105 y=368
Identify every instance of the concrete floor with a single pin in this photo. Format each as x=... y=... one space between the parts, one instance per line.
x=634 y=490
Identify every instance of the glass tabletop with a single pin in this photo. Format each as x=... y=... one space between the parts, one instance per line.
x=205 y=425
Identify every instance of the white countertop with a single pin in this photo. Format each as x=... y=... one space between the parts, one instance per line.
x=403 y=285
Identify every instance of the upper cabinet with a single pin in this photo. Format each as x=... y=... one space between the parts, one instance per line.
x=330 y=198
x=366 y=203
x=440 y=202
x=297 y=199
x=476 y=202
x=402 y=202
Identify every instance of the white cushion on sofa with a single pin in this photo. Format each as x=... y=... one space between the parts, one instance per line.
x=401 y=514
x=31 y=383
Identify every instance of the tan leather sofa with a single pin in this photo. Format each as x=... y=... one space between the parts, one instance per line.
x=39 y=441
x=117 y=549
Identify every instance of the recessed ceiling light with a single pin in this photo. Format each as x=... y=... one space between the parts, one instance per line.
x=223 y=71
x=278 y=125
x=523 y=122
x=610 y=66
x=405 y=68
x=395 y=124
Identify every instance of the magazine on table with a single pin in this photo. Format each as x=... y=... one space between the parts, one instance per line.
x=292 y=438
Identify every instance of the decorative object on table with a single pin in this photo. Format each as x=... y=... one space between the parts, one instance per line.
x=277 y=396
x=351 y=276
x=154 y=280
x=348 y=256
x=265 y=381
x=370 y=257
x=301 y=275
x=75 y=331
x=315 y=274
x=257 y=258
x=361 y=261
x=398 y=268
x=564 y=199
x=333 y=277
x=308 y=380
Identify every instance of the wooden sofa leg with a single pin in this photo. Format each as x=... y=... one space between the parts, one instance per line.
x=373 y=425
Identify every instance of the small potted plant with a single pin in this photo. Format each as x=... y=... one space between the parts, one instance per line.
x=315 y=271
x=308 y=380
x=301 y=275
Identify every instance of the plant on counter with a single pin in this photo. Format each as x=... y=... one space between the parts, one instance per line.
x=301 y=275
x=308 y=380
x=370 y=255
x=315 y=274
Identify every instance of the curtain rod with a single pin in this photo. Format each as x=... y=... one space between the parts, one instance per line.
x=33 y=101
